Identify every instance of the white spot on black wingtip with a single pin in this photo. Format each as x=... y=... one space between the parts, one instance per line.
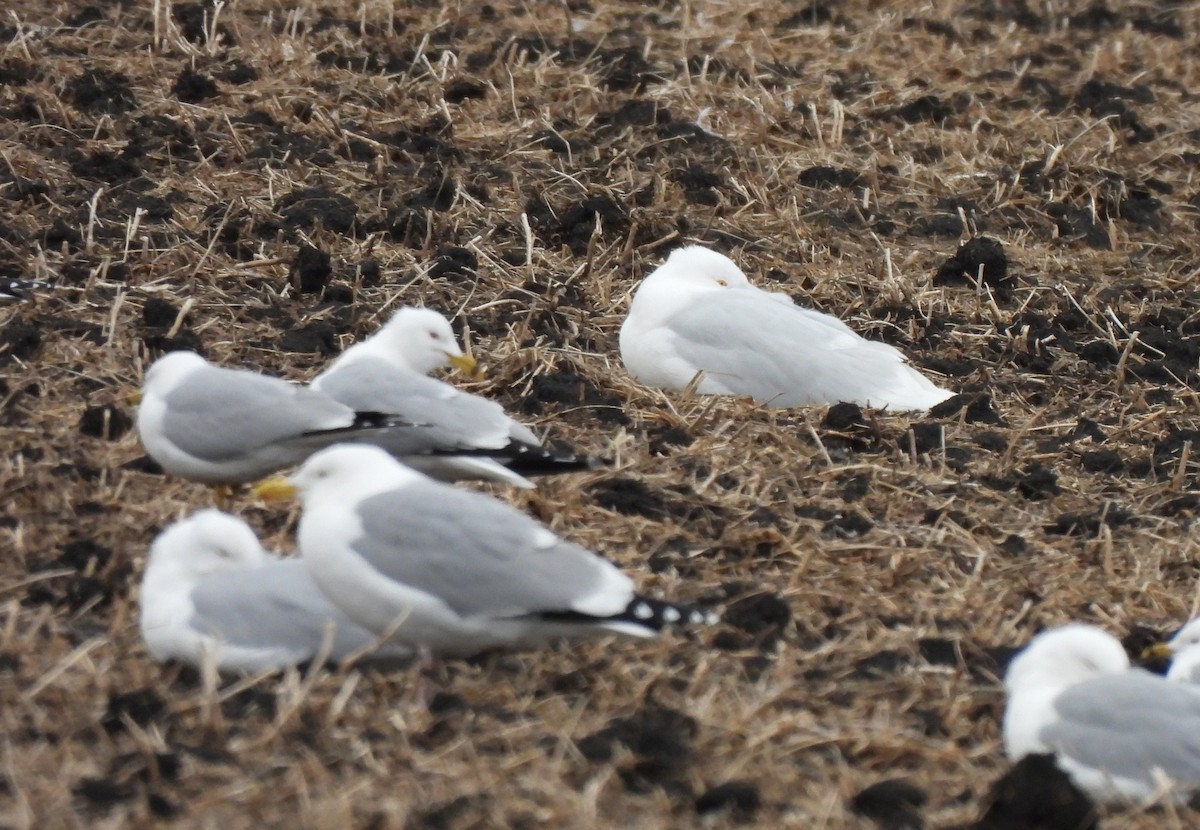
x=670 y=614
x=643 y=611
x=17 y=289
x=703 y=618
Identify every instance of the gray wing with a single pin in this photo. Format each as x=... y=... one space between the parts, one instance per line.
x=447 y=418
x=274 y=606
x=751 y=344
x=1130 y=724
x=221 y=414
x=480 y=556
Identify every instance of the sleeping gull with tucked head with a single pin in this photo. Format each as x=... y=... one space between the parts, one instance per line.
x=210 y=592
x=1121 y=734
x=231 y=426
x=450 y=571
x=460 y=435
x=697 y=313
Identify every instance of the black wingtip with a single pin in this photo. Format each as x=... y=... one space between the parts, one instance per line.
x=382 y=420
x=653 y=615
x=17 y=289
x=658 y=614
x=534 y=459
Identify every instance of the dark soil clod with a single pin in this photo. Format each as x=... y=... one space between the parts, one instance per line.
x=893 y=805
x=310 y=271
x=107 y=422
x=1036 y=795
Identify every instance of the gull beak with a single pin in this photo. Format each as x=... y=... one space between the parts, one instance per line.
x=274 y=489
x=467 y=365
x=135 y=398
x=1158 y=651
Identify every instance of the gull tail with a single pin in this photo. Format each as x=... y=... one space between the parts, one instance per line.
x=643 y=617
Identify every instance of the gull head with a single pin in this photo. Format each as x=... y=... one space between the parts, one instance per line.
x=1064 y=656
x=342 y=473
x=422 y=340
x=166 y=372
x=208 y=542
x=701 y=269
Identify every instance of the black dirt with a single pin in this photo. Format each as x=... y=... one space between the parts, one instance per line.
x=762 y=616
x=158 y=313
x=893 y=805
x=452 y=261
x=978 y=406
x=317 y=207
x=655 y=733
x=979 y=259
x=849 y=525
x=141 y=707
x=825 y=177
x=310 y=271
x=193 y=87
x=1036 y=795
x=103 y=792
x=740 y=798
x=19 y=341
x=319 y=337
x=100 y=91
x=107 y=422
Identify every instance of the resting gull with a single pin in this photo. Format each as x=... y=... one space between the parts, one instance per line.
x=452 y=571
x=210 y=591
x=697 y=314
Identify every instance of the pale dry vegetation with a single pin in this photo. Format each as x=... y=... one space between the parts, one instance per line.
x=521 y=166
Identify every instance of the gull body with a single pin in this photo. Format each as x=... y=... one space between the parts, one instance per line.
x=210 y=591
x=231 y=426
x=451 y=571
x=698 y=313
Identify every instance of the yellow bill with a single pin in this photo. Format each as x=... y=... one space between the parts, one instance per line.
x=1158 y=651
x=467 y=365
x=277 y=488
x=135 y=398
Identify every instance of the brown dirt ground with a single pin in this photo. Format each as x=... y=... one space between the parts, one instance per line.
x=874 y=571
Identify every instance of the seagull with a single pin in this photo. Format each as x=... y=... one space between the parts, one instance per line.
x=450 y=571
x=232 y=426
x=460 y=435
x=698 y=314
x=1121 y=734
x=210 y=591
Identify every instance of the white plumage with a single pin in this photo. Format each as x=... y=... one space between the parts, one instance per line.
x=451 y=434
x=1120 y=733
x=211 y=592
x=697 y=313
x=451 y=571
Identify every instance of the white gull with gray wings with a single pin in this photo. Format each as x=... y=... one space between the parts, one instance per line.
x=452 y=571
x=211 y=592
x=230 y=426
x=460 y=435
x=1121 y=734
x=697 y=313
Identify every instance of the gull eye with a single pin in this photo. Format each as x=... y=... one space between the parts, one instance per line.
x=723 y=283
x=433 y=335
